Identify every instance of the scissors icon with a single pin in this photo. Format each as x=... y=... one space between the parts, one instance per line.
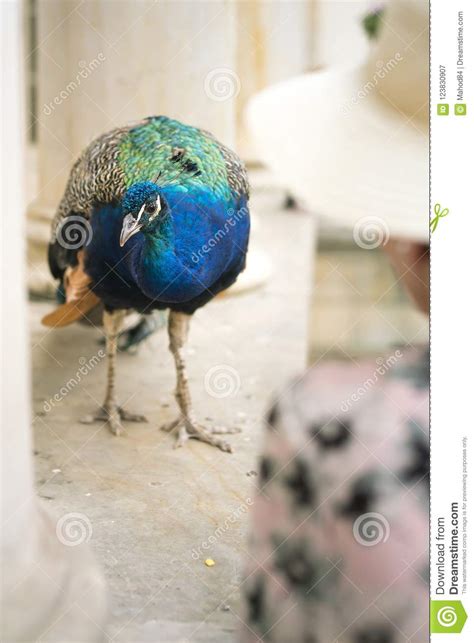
x=439 y=214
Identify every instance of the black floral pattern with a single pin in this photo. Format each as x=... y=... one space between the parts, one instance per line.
x=272 y=417
x=362 y=497
x=418 y=468
x=300 y=484
x=255 y=601
x=332 y=435
x=266 y=469
x=302 y=569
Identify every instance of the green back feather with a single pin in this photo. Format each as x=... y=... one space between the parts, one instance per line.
x=149 y=150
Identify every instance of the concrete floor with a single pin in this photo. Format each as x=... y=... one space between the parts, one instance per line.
x=150 y=507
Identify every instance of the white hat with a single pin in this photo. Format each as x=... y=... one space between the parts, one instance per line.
x=353 y=142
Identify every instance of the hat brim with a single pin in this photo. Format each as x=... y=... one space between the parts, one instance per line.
x=345 y=150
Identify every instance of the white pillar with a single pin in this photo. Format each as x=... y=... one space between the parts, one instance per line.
x=49 y=590
x=275 y=41
x=104 y=63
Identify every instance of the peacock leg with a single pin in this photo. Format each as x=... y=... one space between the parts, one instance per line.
x=110 y=411
x=186 y=424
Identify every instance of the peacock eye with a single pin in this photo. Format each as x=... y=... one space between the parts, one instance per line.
x=150 y=208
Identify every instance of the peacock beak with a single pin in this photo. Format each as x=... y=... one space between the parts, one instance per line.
x=130 y=227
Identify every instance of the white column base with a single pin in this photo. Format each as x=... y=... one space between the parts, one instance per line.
x=54 y=592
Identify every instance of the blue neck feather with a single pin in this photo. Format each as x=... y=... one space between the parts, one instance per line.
x=199 y=239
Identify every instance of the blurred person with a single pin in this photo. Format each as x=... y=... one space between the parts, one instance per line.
x=339 y=533
x=339 y=528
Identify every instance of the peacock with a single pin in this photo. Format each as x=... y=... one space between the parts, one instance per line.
x=155 y=215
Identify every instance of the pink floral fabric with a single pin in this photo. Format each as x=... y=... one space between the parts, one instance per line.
x=339 y=530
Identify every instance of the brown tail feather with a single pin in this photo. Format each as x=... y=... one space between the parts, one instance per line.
x=79 y=299
x=71 y=311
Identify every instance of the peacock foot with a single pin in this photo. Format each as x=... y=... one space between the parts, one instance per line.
x=189 y=429
x=113 y=415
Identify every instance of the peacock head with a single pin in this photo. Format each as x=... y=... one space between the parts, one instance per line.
x=143 y=207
